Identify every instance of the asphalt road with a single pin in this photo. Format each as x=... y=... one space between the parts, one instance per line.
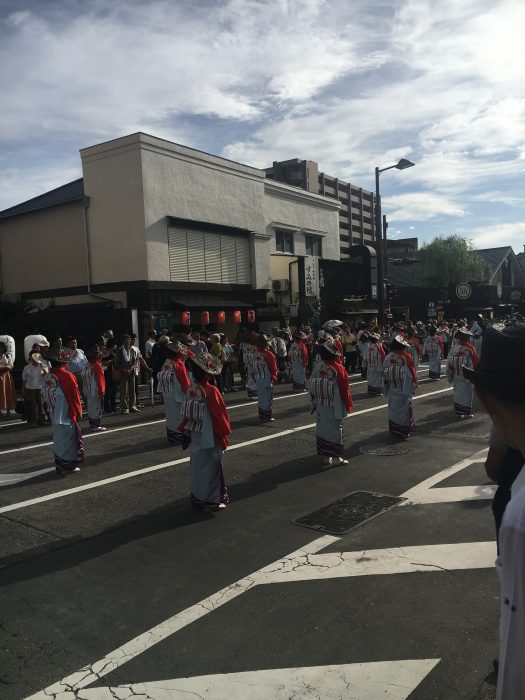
x=110 y=580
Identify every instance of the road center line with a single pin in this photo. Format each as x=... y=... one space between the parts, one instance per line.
x=165 y=465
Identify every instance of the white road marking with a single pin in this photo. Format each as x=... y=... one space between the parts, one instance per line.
x=9 y=479
x=165 y=465
x=109 y=431
x=390 y=680
x=425 y=492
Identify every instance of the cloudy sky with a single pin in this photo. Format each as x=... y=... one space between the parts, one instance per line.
x=350 y=84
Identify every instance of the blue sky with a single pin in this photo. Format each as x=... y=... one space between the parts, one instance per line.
x=347 y=83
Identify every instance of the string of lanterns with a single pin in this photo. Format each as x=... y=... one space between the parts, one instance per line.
x=221 y=317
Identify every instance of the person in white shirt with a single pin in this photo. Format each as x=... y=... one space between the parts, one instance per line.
x=499 y=382
x=33 y=376
x=148 y=346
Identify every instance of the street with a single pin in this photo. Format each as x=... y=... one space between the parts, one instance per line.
x=113 y=587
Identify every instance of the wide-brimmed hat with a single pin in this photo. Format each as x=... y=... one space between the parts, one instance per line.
x=463 y=334
x=299 y=335
x=261 y=340
x=207 y=362
x=59 y=354
x=501 y=370
x=374 y=336
x=331 y=346
x=333 y=323
x=175 y=346
x=398 y=343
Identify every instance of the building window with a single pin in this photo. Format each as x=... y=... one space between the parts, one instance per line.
x=284 y=242
x=313 y=245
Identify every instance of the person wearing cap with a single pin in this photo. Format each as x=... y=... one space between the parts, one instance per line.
x=499 y=383
x=373 y=365
x=399 y=385
x=173 y=383
x=264 y=372
x=433 y=348
x=206 y=419
x=462 y=354
x=33 y=376
x=415 y=347
x=62 y=399
x=94 y=384
x=298 y=356
x=330 y=398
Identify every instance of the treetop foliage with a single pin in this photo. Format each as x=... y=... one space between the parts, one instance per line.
x=450 y=260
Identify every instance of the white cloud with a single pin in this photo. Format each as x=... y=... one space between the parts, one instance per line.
x=419 y=206
x=498 y=235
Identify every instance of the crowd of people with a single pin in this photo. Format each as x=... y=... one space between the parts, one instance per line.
x=192 y=370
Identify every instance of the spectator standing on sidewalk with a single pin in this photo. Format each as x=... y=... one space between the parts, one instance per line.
x=33 y=376
x=126 y=358
x=349 y=340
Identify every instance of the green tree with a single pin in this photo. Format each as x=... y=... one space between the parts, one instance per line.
x=450 y=260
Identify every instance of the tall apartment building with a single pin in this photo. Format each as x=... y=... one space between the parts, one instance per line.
x=356 y=215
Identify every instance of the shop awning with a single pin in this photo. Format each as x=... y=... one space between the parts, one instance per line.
x=206 y=303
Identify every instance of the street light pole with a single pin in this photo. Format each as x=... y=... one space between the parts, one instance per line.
x=381 y=239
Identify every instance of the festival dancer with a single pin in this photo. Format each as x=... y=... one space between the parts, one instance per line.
x=373 y=364
x=433 y=347
x=400 y=382
x=62 y=399
x=330 y=398
x=415 y=347
x=173 y=382
x=298 y=356
x=206 y=419
x=462 y=354
x=264 y=369
x=94 y=384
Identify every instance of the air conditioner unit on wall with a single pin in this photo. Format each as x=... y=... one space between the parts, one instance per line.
x=280 y=285
x=293 y=310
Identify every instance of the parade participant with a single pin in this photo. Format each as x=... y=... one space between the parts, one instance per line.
x=477 y=329
x=61 y=397
x=298 y=356
x=433 y=348
x=207 y=421
x=400 y=382
x=33 y=376
x=499 y=381
x=373 y=365
x=397 y=329
x=94 y=384
x=173 y=383
x=78 y=362
x=362 y=345
x=330 y=398
x=7 y=387
x=264 y=369
x=278 y=345
x=444 y=334
x=250 y=360
x=462 y=354
x=415 y=347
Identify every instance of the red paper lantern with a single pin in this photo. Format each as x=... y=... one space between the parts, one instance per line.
x=251 y=316
x=186 y=318
x=236 y=316
x=205 y=318
x=221 y=317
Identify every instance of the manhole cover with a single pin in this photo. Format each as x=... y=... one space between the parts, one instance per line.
x=383 y=450
x=341 y=516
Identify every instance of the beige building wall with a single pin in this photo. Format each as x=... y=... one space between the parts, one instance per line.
x=43 y=250
x=113 y=182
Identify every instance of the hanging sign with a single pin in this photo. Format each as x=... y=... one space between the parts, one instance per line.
x=251 y=316
x=311 y=276
x=463 y=290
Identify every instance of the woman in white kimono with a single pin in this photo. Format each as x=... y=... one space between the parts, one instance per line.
x=173 y=382
x=373 y=364
x=433 y=348
x=62 y=399
x=462 y=354
x=250 y=359
x=94 y=385
x=206 y=419
x=400 y=382
x=330 y=398
x=298 y=356
x=264 y=368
